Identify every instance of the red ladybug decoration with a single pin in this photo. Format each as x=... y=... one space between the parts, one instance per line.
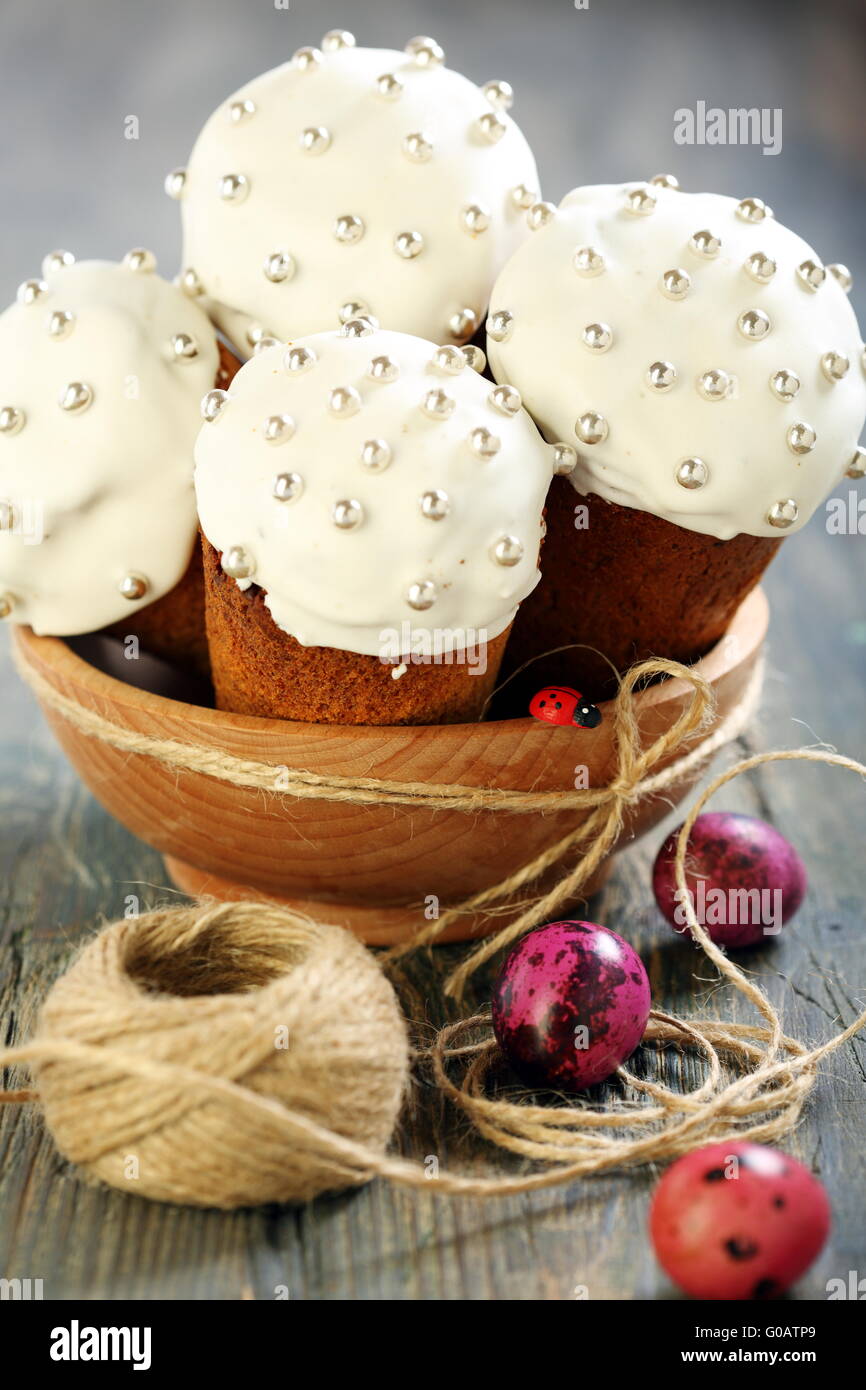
x=559 y=704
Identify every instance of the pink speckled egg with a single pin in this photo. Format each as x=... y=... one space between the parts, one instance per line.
x=570 y=1005
x=745 y=879
x=738 y=1221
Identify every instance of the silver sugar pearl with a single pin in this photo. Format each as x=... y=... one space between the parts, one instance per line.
x=564 y=459
x=801 y=438
x=505 y=399
x=714 y=385
x=307 y=59
x=315 y=139
x=753 y=210
x=383 y=369
x=675 y=284
x=475 y=219
x=30 y=291
x=500 y=325
x=335 y=39
x=57 y=260
x=279 y=266
x=417 y=147
x=665 y=181
x=476 y=358
x=408 y=245
x=389 y=86
x=784 y=384
x=449 y=359
x=539 y=215
x=347 y=514
x=753 y=324
x=587 y=261
x=60 y=324
x=463 y=323
x=276 y=429
x=835 y=366
x=354 y=309
x=591 y=428
x=234 y=188
x=523 y=197
x=265 y=342
x=783 y=514
x=241 y=110
x=661 y=376
x=344 y=401
x=842 y=275
x=213 y=404
x=175 y=182
x=348 y=229
x=298 y=359
x=598 y=337
x=287 y=487
x=706 y=244
x=692 y=473
x=189 y=283
x=438 y=405
x=857 y=465
x=238 y=563
x=811 y=274
x=133 y=586
x=422 y=595
x=435 y=504
x=11 y=419
x=483 y=443
x=500 y=94
x=490 y=127
x=76 y=397
x=139 y=260
x=640 y=201
x=359 y=328
x=508 y=551
x=760 y=267
x=376 y=455
x=184 y=348
x=425 y=52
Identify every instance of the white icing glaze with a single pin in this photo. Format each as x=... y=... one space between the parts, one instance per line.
x=105 y=492
x=740 y=438
x=344 y=587
x=297 y=189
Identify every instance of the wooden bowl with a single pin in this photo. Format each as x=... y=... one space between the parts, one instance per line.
x=368 y=868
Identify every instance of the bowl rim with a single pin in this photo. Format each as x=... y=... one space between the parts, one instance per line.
x=749 y=624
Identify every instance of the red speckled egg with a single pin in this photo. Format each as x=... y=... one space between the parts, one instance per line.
x=745 y=879
x=570 y=1004
x=738 y=1221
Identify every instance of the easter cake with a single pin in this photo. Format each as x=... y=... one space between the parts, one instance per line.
x=103 y=367
x=354 y=180
x=372 y=516
x=703 y=374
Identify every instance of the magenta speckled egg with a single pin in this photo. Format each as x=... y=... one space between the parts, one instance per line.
x=738 y=1221
x=745 y=879
x=570 y=1004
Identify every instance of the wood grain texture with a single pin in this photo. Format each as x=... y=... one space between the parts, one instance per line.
x=369 y=868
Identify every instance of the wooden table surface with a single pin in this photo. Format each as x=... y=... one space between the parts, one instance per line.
x=65 y=866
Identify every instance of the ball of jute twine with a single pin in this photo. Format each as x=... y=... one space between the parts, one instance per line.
x=221 y=1055
x=192 y=1089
